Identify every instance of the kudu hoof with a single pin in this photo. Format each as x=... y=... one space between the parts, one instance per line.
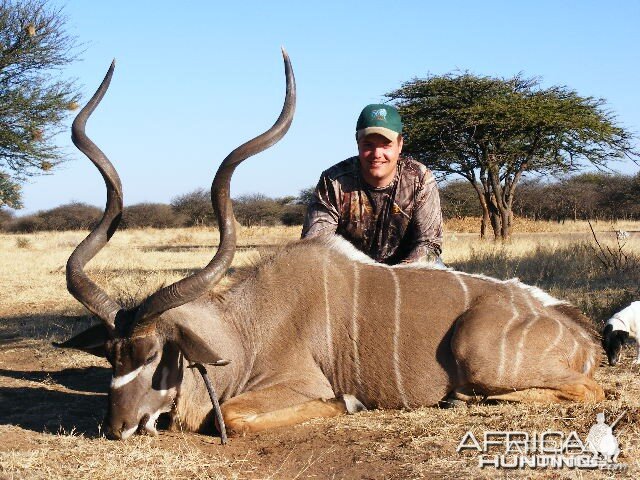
x=352 y=404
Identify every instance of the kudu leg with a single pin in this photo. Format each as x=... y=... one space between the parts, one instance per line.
x=586 y=390
x=583 y=389
x=257 y=411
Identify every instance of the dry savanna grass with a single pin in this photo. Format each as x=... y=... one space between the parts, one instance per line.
x=52 y=401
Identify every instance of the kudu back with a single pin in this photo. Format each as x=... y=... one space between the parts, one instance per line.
x=318 y=329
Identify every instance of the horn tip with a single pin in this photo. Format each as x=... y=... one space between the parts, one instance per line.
x=284 y=52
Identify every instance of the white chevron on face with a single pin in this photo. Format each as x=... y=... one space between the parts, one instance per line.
x=122 y=380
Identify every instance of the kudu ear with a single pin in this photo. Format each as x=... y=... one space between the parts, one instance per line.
x=193 y=347
x=91 y=340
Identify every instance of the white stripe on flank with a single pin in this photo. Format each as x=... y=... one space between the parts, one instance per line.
x=503 y=341
x=465 y=289
x=121 y=381
x=354 y=325
x=555 y=343
x=587 y=366
x=327 y=311
x=396 y=340
x=574 y=350
x=525 y=331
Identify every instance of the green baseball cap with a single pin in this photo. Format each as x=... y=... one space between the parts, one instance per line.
x=381 y=119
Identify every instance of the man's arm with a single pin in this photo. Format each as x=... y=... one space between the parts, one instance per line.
x=426 y=223
x=322 y=211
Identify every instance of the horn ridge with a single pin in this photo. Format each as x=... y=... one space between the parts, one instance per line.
x=78 y=283
x=192 y=287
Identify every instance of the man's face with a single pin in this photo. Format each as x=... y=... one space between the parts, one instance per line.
x=379 y=158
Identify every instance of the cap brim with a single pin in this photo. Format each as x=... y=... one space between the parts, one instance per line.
x=385 y=132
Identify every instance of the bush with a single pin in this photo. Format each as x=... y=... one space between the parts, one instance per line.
x=195 y=207
x=6 y=217
x=155 y=215
x=293 y=215
x=73 y=216
x=22 y=242
x=257 y=209
x=26 y=224
x=458 y=199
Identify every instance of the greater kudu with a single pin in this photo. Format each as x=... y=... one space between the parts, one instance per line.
x=319 y=329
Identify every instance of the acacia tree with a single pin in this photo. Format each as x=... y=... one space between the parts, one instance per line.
x=491 y=131
x=33 y=100
x=9 y=192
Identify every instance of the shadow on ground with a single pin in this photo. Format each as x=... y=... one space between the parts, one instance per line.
x=84 y=380
x=43 y=409
x=54 y=327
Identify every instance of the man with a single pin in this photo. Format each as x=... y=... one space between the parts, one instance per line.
x=386 y=206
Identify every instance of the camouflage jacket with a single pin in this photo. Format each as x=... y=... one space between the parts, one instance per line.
x=401 y=222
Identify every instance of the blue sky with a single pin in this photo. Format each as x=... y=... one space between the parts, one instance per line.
x=194 y=79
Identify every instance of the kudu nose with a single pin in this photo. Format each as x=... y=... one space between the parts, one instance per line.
x=113 y=433
x=119 y=430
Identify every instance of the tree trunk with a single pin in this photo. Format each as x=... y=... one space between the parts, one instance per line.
x=485 y=210
x=494 y=212
x=505 y=231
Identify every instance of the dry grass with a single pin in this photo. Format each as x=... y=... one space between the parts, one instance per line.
x=42 y=402
x=523 y=225
x=142 y=458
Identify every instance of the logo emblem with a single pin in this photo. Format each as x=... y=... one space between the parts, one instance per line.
x=602 y=441
x=380 y=114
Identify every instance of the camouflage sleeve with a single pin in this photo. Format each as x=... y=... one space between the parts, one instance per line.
x=427 y=223
x=322 y=211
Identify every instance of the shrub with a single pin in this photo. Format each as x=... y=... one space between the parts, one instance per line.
x=5 y=218
x=257 y=209
x=22 y=242
x=155 y=215
x=26 y=224
x=73 y=216
x=195 y=207
x=293 y=215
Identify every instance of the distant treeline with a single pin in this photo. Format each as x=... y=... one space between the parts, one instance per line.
x=188 y=210
x=580 y=197
x=588 y=196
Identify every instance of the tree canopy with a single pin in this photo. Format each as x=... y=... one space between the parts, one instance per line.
x=492 y=130
x=9 y=192
x=34 y=101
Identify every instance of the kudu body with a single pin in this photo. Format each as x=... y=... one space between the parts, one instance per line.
x=319 y=329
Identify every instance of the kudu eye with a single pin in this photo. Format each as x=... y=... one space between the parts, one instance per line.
x=151 y=358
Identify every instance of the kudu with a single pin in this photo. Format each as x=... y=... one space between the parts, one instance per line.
x=318 y=329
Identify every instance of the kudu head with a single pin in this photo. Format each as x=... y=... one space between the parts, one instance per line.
x=145 y=349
